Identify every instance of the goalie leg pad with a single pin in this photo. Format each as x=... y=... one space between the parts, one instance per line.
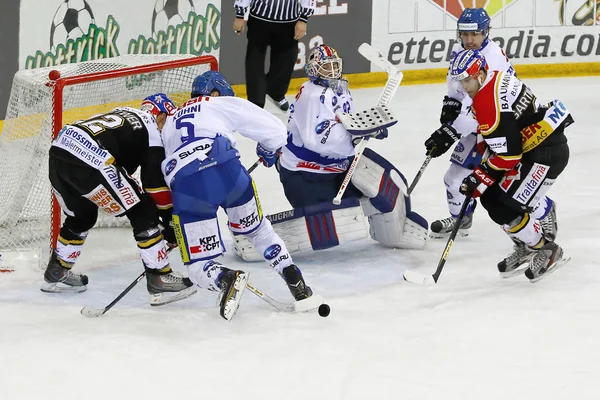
x=315 y=227
x=392 y=222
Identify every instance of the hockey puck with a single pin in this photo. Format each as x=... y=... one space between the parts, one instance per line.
x=324 y=310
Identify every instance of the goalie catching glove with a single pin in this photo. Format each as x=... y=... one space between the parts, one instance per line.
x=440 y=141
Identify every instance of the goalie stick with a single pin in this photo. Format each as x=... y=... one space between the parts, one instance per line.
x=422 y=279
x=394 y=78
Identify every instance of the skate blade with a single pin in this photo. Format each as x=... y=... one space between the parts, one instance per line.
x=233 y=302
x=515 y=272
x=160 y=299
x=57 y=287
x=461 y=233
x=554 y=267
x=311 y=303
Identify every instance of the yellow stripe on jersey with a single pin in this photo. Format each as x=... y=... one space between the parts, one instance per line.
x=145 y=244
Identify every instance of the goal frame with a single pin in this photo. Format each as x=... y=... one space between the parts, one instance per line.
x=57 y=83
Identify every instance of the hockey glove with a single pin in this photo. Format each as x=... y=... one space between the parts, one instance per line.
x=267 y=157
x=440 y=141
x=475 y=184
x=450 y=110
x=379 y=135
x=169 y=236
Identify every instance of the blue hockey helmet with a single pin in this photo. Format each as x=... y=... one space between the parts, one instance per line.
x=158 y=103
x=467 y=63
x=210 y=81
x=474 y=20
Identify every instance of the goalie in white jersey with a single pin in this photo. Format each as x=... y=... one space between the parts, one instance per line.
x=313 y=165
x=458 y=122
x=203 y=171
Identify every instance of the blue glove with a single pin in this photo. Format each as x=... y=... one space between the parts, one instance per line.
x=379 y=135
x=267 y=157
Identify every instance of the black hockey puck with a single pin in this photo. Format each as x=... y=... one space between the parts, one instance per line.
x=324 y=310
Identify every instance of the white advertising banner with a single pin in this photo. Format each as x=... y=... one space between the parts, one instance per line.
x=419 y=34
x=65 y=31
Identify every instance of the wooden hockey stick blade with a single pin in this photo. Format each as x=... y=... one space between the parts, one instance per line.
x=418 y=278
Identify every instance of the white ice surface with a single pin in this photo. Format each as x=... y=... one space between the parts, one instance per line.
x=472 y=336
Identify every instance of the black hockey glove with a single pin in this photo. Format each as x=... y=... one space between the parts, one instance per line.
x=450 y=110
x=440 y=141
x=169 y=236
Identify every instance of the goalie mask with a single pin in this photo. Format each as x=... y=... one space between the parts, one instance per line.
x=324 y=66
x=208 y=82
x=158 y=103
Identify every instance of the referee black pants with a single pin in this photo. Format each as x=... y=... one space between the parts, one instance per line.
x=284 y=53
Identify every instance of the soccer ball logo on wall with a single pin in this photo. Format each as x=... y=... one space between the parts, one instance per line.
x=71 y=21
x=170 y=13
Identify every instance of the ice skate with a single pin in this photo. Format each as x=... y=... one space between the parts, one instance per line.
x=442 y=228
x=546 y=260
x=58 y=279
x=550 y=224
x=516 y=262
x=232 y=284
x=293 y=277
x=165 y=288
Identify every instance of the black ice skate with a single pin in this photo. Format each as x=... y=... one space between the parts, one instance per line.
x=550 y=224
x=293 y=277
x=442 y=228
x=165 y=288
x=517 y=262
x=546 y=260
x=282 y=104
x=58 y=279
x=232 y=284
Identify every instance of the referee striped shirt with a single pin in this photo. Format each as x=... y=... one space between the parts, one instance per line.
x=276 y=10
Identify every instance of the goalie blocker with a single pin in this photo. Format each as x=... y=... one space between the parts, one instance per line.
x=385 y=203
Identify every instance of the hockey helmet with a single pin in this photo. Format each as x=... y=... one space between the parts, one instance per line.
x=158 y=103
x=467 y=63
x=474 y=20
x=210 y=81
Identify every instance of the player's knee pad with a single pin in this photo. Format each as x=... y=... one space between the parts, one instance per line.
x=247 y=216
x=198 y=240
x=316 y=227
x=391 y=219
x=526 y=229
x=69 y=246
x=152 y=248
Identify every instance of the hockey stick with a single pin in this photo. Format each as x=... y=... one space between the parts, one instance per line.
x=253 y=166
x=421 y=279
x=419 y=174
x=394 y=78
x=93 y=312
x=308 y=304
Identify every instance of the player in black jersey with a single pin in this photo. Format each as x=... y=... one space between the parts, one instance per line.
x=91 y=163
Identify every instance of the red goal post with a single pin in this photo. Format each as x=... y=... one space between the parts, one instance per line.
x=42 y=101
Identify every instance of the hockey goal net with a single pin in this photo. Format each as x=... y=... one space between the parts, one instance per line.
x=41 y=102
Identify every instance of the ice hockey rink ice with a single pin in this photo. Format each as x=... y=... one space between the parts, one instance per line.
x=473 y=336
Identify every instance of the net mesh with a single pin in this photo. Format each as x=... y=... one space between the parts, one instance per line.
x=26 y=199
